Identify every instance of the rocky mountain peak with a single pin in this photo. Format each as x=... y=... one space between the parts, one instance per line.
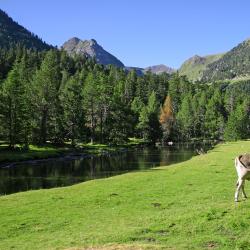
x=74 y=40
x=92 y=49
x=93 y=42
x=71 y=44
x=196 y=59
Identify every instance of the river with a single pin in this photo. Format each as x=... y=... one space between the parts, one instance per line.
x=67 y=171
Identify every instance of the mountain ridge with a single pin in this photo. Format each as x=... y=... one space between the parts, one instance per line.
x=92 y=49
x=159 y=69
x=12 y=33
x=233 y=64
x=194 y=67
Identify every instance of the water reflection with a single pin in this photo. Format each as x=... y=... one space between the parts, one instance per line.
x=65 y=172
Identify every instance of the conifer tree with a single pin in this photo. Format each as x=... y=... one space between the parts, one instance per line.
x=16 y=105
x=238 y=124
x=148 y=120
x=214 y=119
x=47 y=82
x=72 y=99
x=90 y=103
x=199 y=110
x=130 y=87
x=185 y=118
x=119 y=125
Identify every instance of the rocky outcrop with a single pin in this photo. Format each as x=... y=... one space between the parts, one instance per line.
x=91 y=48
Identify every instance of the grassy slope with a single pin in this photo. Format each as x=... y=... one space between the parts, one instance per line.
x=194 y=71
x=236 y=80
x=186 y=206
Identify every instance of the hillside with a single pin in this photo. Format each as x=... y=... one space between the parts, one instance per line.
x=233 y=64
x=12 y=33
x=189 y=205
x=91 y=48
x=194 y=67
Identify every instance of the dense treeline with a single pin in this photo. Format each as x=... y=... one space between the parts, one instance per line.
x=49 y=96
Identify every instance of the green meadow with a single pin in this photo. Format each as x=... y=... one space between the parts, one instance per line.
x=189 y=205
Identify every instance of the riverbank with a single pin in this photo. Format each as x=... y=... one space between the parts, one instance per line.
x=36 y=152
x=188 y=205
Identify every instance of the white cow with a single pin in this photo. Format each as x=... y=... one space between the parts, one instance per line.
x=242 y=165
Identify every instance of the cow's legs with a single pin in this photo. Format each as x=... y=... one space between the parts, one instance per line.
x=239 y=186
x=243 y=190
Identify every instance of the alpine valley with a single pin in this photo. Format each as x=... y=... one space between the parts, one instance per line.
x=73 y=116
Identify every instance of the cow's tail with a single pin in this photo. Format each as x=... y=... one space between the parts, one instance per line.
x=237 y=161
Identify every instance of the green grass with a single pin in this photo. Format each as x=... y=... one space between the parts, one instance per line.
x=194 y=71
x=188 y=205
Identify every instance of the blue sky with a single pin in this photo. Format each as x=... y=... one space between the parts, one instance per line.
x=139 y=32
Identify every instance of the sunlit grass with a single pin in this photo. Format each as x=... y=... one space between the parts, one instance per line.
x=188 y=205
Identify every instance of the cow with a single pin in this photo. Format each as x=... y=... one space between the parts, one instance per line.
x=242 y=165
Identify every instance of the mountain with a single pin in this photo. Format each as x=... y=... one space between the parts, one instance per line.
x=139 y=71
x=194 y=67
x=232 y=65
x=91 y=48
x=159 y=69
x=12 y=33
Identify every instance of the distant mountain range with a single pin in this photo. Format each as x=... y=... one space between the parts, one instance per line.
x=233 y=64
x=159 y=69
x=91 y=48
x=156 y=69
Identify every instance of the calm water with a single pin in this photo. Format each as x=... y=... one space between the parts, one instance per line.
x=64 y=172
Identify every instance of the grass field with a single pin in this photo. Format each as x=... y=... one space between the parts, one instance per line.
x=188 y=205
